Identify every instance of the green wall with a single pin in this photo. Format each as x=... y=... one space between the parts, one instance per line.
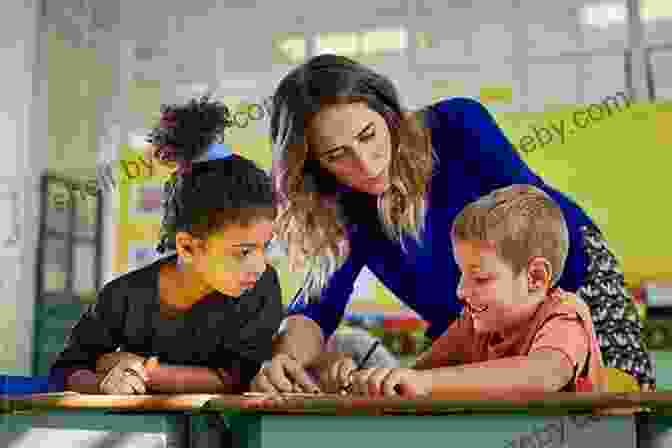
x=617 y=168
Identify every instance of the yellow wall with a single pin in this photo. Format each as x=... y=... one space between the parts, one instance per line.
x=617 y=170
x=614 y=168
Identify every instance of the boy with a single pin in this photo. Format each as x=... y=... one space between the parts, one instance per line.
x=516 y=333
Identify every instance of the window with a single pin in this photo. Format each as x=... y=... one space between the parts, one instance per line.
x=383 y=41
x=652 y=10
x=363 y=44
x=423 y=40
x=289 y=48
x=345 y=44
x=657 y=18
x=661 y=65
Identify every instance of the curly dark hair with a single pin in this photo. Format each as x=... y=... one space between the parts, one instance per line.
x=211 y=194
x=185 y=131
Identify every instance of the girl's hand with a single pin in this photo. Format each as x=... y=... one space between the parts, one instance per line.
x=109 y=360
x=123 y=373
x=391 y=382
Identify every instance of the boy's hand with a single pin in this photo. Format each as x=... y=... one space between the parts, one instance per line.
x=391 y=382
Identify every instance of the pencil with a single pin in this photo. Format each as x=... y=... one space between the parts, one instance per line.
x=368 y=355
x=361 y=364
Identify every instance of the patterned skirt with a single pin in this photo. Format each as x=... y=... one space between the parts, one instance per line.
x=617 y=323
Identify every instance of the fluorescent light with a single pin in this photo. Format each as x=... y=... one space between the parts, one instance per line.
x=384 y=40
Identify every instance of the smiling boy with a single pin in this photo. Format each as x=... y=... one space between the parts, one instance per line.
x=516 y=332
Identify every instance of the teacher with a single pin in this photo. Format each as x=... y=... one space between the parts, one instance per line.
x=364 y=183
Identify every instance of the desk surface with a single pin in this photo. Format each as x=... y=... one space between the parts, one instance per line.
x=556 y=403
x=82 y=420
x=73 y=401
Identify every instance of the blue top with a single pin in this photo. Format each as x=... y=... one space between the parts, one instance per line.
x=474 y=158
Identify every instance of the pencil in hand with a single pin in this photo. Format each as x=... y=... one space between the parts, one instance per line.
x=360 y=365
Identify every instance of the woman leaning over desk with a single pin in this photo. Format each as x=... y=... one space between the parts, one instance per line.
x=202 y=320
x=365 y=184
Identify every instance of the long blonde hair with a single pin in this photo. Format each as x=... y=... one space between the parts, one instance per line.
x=310 y=219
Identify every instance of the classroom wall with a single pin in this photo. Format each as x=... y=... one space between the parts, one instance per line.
x=76 y=80
x=73 y=105
x=614 y=168
x=21 y=127
x=617 y=169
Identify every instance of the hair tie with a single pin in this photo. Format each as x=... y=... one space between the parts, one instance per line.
x=183 y=167
x=215 y=151
x=165 y=153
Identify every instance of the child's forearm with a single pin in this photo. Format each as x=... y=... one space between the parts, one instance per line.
x=188 y=379
x=546 y=371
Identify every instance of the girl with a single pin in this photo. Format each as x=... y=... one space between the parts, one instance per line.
x=201 y=320
x=365 y=184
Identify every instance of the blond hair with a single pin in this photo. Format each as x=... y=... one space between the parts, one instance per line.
x=522 y=221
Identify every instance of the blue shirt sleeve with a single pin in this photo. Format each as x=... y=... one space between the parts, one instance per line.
x=476 y=138
x=484 y=147
x=328 y=309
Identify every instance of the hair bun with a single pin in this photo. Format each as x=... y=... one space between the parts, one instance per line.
x=185 y=131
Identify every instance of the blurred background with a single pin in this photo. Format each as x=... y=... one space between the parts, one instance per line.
x=88 y=78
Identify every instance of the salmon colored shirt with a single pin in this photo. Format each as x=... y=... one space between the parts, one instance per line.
x=562 y=323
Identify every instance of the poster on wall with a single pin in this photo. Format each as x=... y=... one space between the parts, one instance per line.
x=146 y=199
x=141 y=255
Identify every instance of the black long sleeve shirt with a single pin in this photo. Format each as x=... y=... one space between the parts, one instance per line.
x=219 y=331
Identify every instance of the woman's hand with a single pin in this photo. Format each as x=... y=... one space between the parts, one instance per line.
x=283 y=374
x=123 y=373
x=336 y=373
x=391 y=382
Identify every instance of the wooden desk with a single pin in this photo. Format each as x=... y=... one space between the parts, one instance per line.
x=542 y=404
x=488 y=421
